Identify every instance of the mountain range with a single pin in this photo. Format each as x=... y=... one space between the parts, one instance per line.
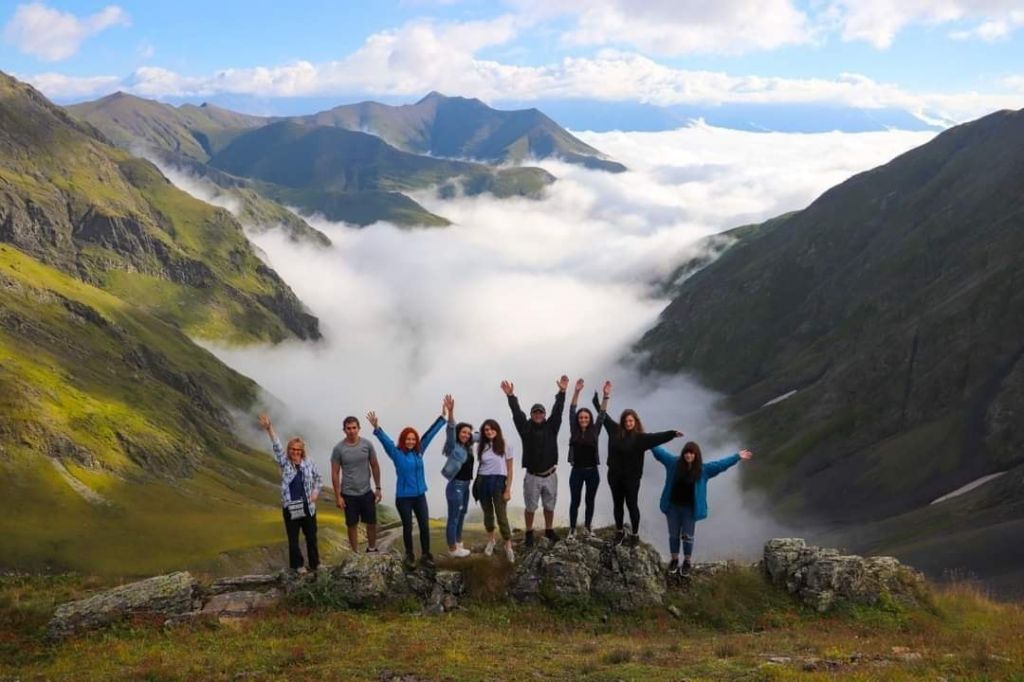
x=872 y=346
x=352 y=163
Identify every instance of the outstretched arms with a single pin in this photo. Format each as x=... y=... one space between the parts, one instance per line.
x=518 y=417
x=719 y=465
x=382 y=436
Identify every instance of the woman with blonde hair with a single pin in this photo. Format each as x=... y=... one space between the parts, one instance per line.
x=300 y=488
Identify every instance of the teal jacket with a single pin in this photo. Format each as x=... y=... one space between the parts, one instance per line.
x=409 y=463
x=700 y=486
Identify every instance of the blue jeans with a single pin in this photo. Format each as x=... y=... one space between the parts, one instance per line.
x=578 y=477
x=457 y=494
x=681 y=523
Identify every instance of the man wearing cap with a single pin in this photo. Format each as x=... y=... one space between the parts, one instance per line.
x=539 y=435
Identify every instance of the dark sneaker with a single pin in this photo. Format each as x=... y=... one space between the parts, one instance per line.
x=427 y=560
x=620 y=535
x=686 y=567
x=673 y=566
x=634 y=539
x=410 y=561
x=551 y=535
x=529 y=538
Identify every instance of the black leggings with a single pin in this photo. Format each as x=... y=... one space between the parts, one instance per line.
x=307 y=524
x=580 y=476
x=625 y=491
x=407 y=506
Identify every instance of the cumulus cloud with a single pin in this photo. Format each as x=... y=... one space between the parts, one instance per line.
x=52 y=35
x=527 y=290
x=673 y=27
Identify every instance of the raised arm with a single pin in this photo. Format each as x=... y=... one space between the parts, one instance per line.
x=448 y=406
x=719 y=465
x=664 y=456
x=610 y=425
x=518 y=418
x=382 y=436
x=555 y=420
x=434 y=429
x=650 y=440
x=574 y=425
x=275 y=444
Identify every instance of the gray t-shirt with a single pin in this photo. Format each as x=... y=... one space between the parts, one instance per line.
x=355 y=465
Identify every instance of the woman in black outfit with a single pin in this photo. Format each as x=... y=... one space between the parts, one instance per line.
x=627 y=444
x=583 y=433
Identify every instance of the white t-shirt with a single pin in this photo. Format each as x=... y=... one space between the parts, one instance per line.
x=493 y=464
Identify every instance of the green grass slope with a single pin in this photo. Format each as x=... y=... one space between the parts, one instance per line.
x=115 y=436
x=93 y=211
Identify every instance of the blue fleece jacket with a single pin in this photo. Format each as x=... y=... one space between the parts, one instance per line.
x=700 y=486
x=409 y=463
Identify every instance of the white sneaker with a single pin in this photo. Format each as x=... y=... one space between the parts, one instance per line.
x=489 y=549
x=509 y=554
x=587 y=532
x=572 y=534
x=460 y=553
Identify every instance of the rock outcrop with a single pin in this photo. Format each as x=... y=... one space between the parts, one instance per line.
x=164 y=595
x=823 y=578
x=590 y=571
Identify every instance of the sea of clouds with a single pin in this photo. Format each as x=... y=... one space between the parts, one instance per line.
x=527 y=290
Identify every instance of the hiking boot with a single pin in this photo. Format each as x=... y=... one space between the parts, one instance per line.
x=427 y=560
x=529 y=538
x=410 y=561
x=686 y=567
x=634 y=539
x=587 y=532
x=620 y=535
x=673 y=567
x=551 y=535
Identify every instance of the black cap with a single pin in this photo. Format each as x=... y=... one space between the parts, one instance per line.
x=537 y=407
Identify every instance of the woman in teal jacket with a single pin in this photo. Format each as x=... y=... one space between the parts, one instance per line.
x=684 y=499
x=411 y=488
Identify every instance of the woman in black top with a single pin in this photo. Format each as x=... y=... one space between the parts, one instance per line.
x=583 y=433
x=627 y=444
x=458 y=447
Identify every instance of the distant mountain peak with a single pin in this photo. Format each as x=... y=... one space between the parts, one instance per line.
x=432 y=96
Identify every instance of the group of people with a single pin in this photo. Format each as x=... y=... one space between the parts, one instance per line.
x=480 y=465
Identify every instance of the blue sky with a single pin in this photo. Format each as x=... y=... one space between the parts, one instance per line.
x=945 y=60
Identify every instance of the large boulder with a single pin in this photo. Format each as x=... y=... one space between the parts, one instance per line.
x=164 y=595
x=589 y=571
x=823 y=578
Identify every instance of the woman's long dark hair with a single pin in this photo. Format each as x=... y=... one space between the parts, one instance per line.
x=639 y=428
x=584 y=437
x=686 y=476
x=458 y=430
x=497 y=444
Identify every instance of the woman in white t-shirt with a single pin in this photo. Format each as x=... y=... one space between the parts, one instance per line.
x=493 y=486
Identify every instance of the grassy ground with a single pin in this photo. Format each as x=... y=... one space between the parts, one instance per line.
x=733 y=628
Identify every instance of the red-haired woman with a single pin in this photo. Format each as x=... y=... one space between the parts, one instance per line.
x=411 y=488
x=300 y=487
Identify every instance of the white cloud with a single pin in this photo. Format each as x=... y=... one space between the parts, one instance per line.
x=57 y=85
x=879 y=21
x=530 y=289
x=677 y=27
x=52 y=35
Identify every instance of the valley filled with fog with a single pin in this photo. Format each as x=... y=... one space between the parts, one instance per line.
x=527 y=290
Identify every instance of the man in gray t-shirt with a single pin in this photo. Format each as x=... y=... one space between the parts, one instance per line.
x=353 y=461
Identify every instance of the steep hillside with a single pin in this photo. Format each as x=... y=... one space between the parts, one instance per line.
x=72 y=201
x=458 y=127
x=872 y=342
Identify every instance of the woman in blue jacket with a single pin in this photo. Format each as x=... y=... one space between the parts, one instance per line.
x=458 y=469
x=684 y=499
x=411 y=488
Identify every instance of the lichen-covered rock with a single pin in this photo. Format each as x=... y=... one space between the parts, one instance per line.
x=591 y=570
x=167 y=595
x=823 y=578
x=241 y=603
x=259 y=582
x=367 y=580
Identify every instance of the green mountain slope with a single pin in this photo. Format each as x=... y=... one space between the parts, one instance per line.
x=894 y=307
x=194 y=131
x=457 y=127
x=93 y=211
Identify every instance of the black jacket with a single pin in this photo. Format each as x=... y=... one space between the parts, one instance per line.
x=540 y=441
x=626 y=450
